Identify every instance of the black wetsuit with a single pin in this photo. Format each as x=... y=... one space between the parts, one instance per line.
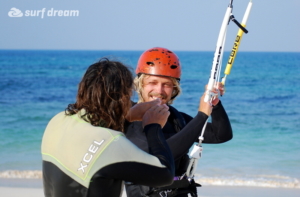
x=218 y=131
x=80 y=160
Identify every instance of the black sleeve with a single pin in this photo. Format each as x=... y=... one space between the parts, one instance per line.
x=158 y=145
x=137 y=170
x=183 y=140
x=219 y=130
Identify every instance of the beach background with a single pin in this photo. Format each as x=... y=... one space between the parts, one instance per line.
x=43 y=57
x=262 y=101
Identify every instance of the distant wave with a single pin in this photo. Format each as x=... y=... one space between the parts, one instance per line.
x=27 y=174
x=274 y=181
x=257 y=181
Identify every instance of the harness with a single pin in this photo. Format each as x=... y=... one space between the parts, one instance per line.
x=178 y=187
x=181 y=185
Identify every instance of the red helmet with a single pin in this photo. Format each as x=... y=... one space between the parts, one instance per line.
x=159 y=61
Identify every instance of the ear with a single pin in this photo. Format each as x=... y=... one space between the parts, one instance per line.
x=175 y=93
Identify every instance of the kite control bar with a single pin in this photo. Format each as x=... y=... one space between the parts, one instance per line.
x=196 y=152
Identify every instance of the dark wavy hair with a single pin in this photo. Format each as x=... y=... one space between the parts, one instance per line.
x=104 y=93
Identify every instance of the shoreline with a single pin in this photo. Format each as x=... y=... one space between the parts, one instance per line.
x=13 y=187
x=263 y=181
x=206 y=191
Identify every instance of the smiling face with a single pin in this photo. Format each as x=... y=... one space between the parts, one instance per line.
x=157 y=87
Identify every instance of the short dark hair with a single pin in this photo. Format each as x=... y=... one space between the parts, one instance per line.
x=104 y=93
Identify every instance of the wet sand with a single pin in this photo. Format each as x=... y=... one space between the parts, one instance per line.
x=34 y=188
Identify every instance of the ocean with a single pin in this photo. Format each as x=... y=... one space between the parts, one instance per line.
x=262 y=101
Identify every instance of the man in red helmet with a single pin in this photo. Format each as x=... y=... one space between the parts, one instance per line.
x=158 y=74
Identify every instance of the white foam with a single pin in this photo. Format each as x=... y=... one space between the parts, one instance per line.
x=274 y=181
x=27 y=174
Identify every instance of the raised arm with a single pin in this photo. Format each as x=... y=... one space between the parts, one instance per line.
x=219 y=130
x=134 y=165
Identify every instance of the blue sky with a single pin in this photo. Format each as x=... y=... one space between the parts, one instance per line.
x=189 y=25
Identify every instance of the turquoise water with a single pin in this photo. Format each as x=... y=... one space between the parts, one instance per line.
x=262 y=100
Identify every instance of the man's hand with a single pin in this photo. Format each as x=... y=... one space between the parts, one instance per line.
x=137 y=112
x=156 y=114
x=206 y=107
x=221 y=91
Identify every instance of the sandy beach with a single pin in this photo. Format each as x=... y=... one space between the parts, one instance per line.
x=33 y=188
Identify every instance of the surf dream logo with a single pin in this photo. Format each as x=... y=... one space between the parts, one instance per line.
x=15 y=12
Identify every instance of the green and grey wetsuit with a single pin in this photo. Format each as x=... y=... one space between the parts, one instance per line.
x=83 y=160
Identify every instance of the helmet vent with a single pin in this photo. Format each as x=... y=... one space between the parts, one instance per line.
x=173 y=66
x=150 y=63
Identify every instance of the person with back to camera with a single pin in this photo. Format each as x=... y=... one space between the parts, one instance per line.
x=158 y=74
x=83 y=152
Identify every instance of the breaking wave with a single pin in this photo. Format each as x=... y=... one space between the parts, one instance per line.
x=272 y=181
